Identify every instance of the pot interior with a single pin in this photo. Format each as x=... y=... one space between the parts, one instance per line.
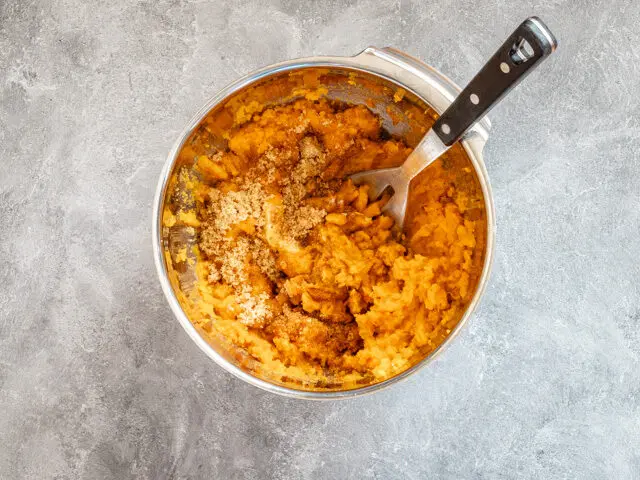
x=403 y=115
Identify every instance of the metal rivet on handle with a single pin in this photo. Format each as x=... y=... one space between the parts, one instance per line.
x=474 y=99
x=504 y=67
x=446 y=129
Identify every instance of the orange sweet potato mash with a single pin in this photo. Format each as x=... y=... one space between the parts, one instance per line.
x=298 y=269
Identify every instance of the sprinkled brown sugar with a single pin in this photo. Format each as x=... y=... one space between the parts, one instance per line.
x=265 y=259
x=299 y=222
x=233 y=270
x=255 y=309
x=300 y=219
x=227 y=209
x=242 y=207
x=232 y=256
x=312 y=160
x=214 y=274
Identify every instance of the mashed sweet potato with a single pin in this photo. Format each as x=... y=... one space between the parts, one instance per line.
x=297 y=268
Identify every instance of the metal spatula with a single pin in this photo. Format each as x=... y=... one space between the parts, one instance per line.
x=525 y=48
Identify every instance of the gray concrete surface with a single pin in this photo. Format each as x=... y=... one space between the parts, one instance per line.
x=99 y=381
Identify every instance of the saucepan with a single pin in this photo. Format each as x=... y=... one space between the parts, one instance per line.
x=407 y=94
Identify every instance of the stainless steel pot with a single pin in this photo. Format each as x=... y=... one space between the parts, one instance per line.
x=390 y=67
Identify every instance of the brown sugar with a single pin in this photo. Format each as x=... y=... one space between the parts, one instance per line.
x=233 y=207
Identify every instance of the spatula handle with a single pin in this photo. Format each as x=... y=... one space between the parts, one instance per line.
x=525 y=48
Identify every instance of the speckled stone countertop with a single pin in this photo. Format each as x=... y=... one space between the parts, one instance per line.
x=98 y=380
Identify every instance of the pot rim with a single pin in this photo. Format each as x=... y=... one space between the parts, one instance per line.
x=378 y=62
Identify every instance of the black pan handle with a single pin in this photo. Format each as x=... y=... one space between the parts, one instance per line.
x=525 y=48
